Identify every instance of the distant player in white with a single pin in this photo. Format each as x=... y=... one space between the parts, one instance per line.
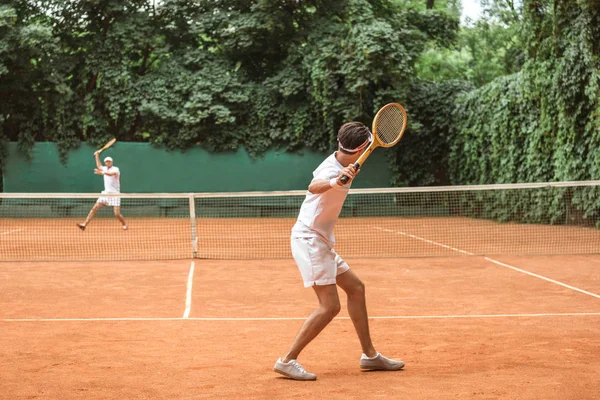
x=112 y=184
x=320 y=266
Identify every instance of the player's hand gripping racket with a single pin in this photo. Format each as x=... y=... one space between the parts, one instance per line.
x=106 y=146
x=388 y=127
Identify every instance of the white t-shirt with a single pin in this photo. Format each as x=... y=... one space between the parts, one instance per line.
x=319 y=212
x=112 y=183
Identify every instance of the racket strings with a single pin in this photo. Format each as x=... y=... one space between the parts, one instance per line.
x=390 y=125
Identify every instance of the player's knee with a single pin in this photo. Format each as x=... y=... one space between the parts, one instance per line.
x=337 y=309
x=359 y=288
x=356 y=289
x=333 y=309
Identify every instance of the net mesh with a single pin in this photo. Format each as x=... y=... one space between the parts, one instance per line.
x=46 y=229
x=560 y=218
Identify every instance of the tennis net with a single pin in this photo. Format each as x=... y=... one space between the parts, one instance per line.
x=542 y=218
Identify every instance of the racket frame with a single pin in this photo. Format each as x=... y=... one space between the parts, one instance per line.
x=376 y=141
x=107 y=145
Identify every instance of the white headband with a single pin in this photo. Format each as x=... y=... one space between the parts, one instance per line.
x=359 y=148
x=107 y=159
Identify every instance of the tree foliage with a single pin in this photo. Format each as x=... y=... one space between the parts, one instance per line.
x=285 y=73
x=540 y=124
x=485 y=49
x=421 y=157
x=215 y=73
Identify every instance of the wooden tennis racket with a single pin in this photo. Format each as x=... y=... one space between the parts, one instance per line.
x=388 y=127
x=106 y=146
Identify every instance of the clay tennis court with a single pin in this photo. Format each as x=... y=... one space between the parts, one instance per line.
x=518 y=327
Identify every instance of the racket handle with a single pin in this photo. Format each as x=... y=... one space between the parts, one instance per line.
x=345 y=179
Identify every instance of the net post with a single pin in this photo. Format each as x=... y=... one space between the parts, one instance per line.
x=193 y=224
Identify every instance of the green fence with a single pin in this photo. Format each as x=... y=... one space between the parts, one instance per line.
x=148 y=169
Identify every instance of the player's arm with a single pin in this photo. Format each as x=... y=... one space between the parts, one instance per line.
x=318 y=186
x=98 y=165
x=104 y=171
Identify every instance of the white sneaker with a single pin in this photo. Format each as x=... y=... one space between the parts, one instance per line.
x=124 y=227
x=292 y=369
x=380 y=363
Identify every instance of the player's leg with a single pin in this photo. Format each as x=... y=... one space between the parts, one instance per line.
x=316 y=263
x=117 y=212
x=329 y=307
x=91 y=215
x=357 y=308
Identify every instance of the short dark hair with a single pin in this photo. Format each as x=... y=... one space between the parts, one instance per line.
x=351 y=135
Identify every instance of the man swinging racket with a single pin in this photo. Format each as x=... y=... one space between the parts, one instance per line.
x=312 y=242
x=111 y=185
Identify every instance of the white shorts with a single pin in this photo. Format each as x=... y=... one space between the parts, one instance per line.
x=318 y=263
x=110 y=201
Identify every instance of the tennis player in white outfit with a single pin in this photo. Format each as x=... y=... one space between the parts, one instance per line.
x=320 y=266
x=112 y=184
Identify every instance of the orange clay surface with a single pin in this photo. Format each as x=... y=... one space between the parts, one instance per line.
x=466 y=327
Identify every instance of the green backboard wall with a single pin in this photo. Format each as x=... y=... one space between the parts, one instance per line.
x=149 y=169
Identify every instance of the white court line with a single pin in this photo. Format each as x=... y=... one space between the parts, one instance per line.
x=424 y=240
x=543 y=277
x=232 y=319
x=492 y=260
x=248 y=236
x=188 y=295
x=13 y=231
